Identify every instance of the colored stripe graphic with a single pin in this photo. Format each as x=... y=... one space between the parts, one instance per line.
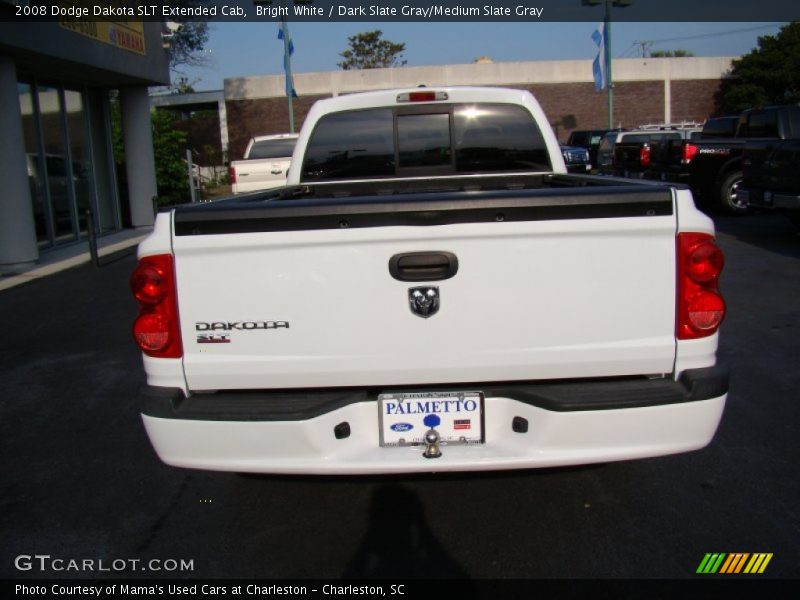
x=734 y=563
x=711 y=563
x=758 y=563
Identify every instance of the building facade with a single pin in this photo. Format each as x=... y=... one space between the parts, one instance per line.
x=56 y=158
x=646 y=91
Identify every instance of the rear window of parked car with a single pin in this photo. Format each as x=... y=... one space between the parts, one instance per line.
x=425 y=140
x=720 y=127
x=272 y=148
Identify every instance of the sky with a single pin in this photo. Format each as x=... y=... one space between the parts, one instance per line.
x=250 y=49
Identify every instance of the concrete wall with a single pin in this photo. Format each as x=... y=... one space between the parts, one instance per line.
x=520 y=73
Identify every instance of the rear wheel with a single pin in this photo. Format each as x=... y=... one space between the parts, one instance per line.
x=728 y=196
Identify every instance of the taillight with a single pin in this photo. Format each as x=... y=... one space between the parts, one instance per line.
x=426 y=96
x=232 y=174
x=157 y=328
x=688 y=153
x=147 y=283
x=644 y=156
x=700 y=305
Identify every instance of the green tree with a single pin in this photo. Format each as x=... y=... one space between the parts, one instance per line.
x=769 y=74
x=679 y=53
x=182 y=85
x=187 y=44
x=369 y=51
x=169 y=149
x=187 y=41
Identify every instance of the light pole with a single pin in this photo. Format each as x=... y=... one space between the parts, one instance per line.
x=287 y=68
x=607 y=48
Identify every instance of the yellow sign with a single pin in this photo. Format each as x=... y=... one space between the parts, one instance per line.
x=128 y=35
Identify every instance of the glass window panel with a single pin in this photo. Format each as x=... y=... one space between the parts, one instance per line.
x=499 y=137
x=32 y=158
x=351 y=145
x=424 y=140
x=272 y=149
x=58 y=179
x=80 y=154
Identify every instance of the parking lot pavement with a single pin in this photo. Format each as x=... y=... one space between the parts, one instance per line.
x=80 y=479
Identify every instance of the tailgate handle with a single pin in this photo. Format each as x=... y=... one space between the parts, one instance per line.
x=423 y=266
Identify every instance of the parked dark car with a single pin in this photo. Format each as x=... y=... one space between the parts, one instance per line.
x=589 y=139
x=720 y=127
x=576 y=159
x=712 y=166
x=635 y=150
x=605 y=152
x=771 y=177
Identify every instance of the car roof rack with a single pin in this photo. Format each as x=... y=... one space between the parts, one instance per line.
x=668 y=126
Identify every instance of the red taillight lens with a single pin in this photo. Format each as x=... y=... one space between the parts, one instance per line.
x=147 y=283
x=705 y=311
x=426 y=96
x=689 y=152
x=644 y=156
x=701 y=308
x=157 y=328
x=705 y=262
x=151 y=331
x=422 y=96
x=232 y=174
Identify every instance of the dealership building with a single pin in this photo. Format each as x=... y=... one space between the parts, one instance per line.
x=56 y=160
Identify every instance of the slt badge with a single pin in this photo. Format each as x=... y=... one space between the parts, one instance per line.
x=424 y=301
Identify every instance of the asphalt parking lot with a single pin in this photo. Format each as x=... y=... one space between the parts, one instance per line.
x=80 y=479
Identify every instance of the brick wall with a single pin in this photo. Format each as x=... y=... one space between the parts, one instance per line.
x=693 y=100
x=265 y=116
x=571 y=106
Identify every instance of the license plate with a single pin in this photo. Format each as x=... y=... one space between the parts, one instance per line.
x=402 y=417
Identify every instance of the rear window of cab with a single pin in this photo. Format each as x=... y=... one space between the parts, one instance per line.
x=277 y=148
x=425 y=140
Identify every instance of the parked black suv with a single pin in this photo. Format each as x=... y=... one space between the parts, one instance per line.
x=712 y=166
x=771 y=177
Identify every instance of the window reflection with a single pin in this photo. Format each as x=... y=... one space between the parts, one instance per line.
x=57 y=177
x=351 y=145
x=33 y=163
x=498 y=138
x=424 y=140
x=79 y=151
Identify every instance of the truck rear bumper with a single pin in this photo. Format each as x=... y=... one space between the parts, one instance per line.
x=567 y=423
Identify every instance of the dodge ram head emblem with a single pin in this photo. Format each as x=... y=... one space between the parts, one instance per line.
x=424 y=301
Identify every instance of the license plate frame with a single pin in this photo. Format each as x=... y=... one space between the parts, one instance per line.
x=461 y=414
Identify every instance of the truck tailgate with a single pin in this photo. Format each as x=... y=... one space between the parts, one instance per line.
x=261 y=174
x=539 y=293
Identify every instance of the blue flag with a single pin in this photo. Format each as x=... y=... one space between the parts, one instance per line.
x=599 y=64
x=288 y=50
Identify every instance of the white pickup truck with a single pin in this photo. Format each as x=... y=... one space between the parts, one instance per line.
x=431 y=291
x=265 y=164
